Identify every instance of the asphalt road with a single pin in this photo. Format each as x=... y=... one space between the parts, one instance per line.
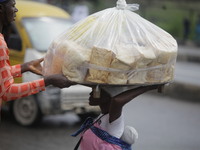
x=163 y=124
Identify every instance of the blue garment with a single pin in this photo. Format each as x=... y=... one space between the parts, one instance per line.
x=2 y=1
x=86 y=125
x=198 y=31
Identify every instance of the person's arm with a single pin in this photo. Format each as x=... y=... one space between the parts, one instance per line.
x=16 y=71
x=11 y=91
x=120 y=100
x=15 y=91
x=33 y=66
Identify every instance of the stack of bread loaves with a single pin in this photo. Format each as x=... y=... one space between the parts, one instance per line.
x=114 y=46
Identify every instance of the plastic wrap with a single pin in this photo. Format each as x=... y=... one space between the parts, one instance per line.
x=115 y=46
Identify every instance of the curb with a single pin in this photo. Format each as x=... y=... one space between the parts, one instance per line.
x=189 y=54
x=188 y=58
x=185 y=91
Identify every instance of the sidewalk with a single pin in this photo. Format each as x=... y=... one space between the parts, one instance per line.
x=188 y=53
x=186 y=83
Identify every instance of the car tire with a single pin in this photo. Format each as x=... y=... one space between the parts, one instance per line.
x=26 y=111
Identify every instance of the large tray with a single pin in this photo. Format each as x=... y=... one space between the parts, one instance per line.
x=115 y=89
x=120 y=85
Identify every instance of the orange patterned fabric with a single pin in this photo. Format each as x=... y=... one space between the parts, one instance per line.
x=8 y=89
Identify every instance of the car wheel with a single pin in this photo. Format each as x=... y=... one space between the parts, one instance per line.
x=26 y=111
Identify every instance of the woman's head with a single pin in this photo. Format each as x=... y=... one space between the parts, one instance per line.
x=103 y=99
x=7 y=11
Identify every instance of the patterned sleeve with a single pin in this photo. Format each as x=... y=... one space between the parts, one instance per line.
x=16 y=71
x=8 y=89
x=16 y=91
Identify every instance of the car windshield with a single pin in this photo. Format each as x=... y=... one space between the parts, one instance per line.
x=43 y=30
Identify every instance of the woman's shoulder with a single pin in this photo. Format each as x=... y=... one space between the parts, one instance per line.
x=115 y=128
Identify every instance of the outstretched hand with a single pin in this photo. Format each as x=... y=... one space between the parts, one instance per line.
x=58 y=80
x=33 y=66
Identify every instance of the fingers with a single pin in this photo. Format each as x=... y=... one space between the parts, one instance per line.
x=35 y=70
x=65 y=84
x=69 y=83
x=59 y=80
x=35 y=66
x=37 y=61
x=41 y=60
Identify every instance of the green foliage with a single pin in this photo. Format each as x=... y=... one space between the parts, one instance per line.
x=166 y=14
x=171 y=18
x=168 y=19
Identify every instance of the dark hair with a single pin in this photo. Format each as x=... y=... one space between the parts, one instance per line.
x=4 y=1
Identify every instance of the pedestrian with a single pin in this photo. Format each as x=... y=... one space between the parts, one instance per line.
x=8 y=89
x=80 y=10
x=186 y=28
x=107 y=131
x=197 y=31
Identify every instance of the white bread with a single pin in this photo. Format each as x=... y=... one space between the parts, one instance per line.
x=125 y=59
x=75 y=63
x=100 y=57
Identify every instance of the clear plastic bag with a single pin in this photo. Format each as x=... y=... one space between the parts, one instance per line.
x=114 y=46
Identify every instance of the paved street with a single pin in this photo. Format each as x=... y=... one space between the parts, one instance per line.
x=163 y=124
x=188 y=73
x=188 y=65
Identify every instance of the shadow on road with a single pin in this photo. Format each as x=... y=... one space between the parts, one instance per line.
x=53 y=121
